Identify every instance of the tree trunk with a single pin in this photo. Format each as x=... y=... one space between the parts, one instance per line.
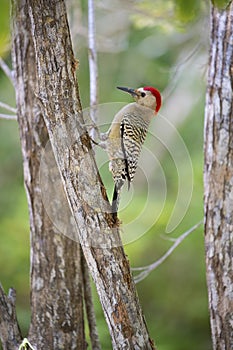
x=10 y=334
x=100 y=240
x=56 y=276
x=218 y=178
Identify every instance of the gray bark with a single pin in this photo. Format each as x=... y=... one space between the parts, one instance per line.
x=56 y=276
x=90 y=311
x=10 y=334
x=97 y=233
x=218 y=178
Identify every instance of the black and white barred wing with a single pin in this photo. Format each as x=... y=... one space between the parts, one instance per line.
x=133 y=134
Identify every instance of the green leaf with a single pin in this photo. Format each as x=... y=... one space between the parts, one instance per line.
x=221 y=4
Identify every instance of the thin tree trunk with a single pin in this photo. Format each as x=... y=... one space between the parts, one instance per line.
x=218 y=178
x=56 y=277
x=100 y=240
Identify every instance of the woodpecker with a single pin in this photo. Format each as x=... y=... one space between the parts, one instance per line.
x=127 y=134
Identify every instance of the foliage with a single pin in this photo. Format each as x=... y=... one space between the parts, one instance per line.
x=188 y=10
x=222 y=4
x=4 y=32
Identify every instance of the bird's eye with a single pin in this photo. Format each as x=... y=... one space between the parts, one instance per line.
x=143 y=94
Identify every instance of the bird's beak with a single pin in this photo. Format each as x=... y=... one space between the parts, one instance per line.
x=130 y=91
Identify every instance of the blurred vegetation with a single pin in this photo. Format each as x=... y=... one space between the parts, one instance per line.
x=149 y=42
x=5 y=27
x=222 y=4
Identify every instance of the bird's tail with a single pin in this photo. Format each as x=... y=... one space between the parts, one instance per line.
x=116 y=198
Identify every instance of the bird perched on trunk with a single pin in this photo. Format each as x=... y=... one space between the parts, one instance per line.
x=127 y=134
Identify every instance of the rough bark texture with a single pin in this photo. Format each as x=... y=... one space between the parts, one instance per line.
x=218 y=178
x=56 y=278
x=89 y=306
x=10 y=334
x=58 y=95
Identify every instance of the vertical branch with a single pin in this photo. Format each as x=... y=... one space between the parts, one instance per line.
x=218 y=178
x=93 y=71
x=93 y=66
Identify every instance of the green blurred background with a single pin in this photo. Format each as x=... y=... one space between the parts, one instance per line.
x=160 y=43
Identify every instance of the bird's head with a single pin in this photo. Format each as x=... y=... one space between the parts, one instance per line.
x=147 y=96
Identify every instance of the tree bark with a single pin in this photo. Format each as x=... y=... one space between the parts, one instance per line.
x=10 y=334
x=56 y=277
x=100 y=240
x=218 y=178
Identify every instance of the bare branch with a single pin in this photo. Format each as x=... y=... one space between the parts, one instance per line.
x=93 y=67
x=7 y=107
x=146 y=270
x=167 y=238
x=7 y=71
x=8 y=116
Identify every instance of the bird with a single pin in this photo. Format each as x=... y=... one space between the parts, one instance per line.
x=127 y=134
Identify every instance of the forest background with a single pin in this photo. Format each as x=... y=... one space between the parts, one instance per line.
x=155 y=43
